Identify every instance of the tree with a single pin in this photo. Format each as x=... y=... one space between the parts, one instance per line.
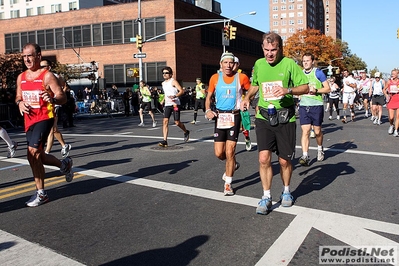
x=11 y=65
x=351 y=61
x=323 y=47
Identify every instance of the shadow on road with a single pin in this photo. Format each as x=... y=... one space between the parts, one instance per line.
x=179 y=255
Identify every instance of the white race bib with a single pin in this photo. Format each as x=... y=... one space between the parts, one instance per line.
x=225 y=120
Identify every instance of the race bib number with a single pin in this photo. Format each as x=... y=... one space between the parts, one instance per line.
x=393 y=89
x=267 y=88
x=32 y=98
x=225 y=120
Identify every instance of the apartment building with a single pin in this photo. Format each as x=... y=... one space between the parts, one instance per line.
x=289 y=16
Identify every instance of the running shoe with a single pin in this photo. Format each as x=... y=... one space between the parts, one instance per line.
x=163 y=143
x=379 y=122
x=66 y=168
x=193 y=122
x=391 y=129
x=264 y=206
x=320 y=155
x=395 y=133
x=186 y=135
x=228 y=190
x=312 y=134
x=154 y=124
x=286 y=199
x=330 y=117
x=343 y=120
x=375 y=121
x=304 y=160
x=12 y=150
x=141 y=124
x=338 y=117
x=372 y=118
x=37 y=199
x=248 y=144
x=65 y=150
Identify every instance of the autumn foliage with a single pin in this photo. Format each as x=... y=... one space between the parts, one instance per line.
x=323 y=47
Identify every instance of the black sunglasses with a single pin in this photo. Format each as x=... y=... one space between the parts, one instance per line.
x=167 y=73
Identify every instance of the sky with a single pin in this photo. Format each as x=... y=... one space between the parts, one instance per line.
x=370 y=29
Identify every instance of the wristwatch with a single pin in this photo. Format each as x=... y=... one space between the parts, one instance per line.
x=289 y=91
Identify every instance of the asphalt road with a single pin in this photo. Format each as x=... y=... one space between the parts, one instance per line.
x=134 y=203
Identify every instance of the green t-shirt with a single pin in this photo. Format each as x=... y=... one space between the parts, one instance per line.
x=315 y=99
x=286 y=74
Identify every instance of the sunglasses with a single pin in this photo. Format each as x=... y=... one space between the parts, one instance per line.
x=165 y=73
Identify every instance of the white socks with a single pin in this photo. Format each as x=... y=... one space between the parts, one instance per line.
x=4 y=135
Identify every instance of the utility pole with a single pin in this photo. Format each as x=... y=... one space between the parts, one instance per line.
x=140 y=48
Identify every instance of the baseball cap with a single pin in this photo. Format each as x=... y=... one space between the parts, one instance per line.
x=236 y=60
x=377 y=74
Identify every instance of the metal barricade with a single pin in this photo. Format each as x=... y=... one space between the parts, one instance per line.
x=5 y=114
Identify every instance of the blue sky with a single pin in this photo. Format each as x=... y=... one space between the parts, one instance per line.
x=370 y=29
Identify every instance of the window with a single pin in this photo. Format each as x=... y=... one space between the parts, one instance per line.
x=283 y=30
x=86 y=33
x=59 y=39
x=14 y=13
x=13 y=2
x=300 y=21
x=40 y=10
x=290 y=7
x=117 y=32
x=73 y=6
x=291 y=22
x=275 y=1
x=2 y=15
x=275 y=23
x=77 y=36
x=291 y=30
x=300 y=14
x=107 y=34
x=283 y=7
x=283 y=1
x=154 y=27
x=1 y=2
x=96 y=29
x=49 y=39
x=29 y=12
x=56 y=8
x=275 y=16
x=291 y=15
x=275 y=8
x=40 y=38
x=300 y=6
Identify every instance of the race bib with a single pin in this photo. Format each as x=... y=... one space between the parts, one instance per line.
x=393 y=89
x=32 y=98
x=267 y=88
x=225 y=120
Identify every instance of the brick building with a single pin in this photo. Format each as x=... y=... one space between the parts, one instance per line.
x=102 y=34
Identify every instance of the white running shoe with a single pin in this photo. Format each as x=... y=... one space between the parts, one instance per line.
x=395 y=133
x=37 y=199
x=65 y=150
x=66 y=168
x=391 y=129
x=141 y=124
x=12 y=150
x=330 y=117
x=154 y=124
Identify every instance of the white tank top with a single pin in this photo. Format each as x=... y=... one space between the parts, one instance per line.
x=169 y=90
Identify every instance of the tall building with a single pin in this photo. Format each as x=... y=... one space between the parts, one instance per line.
x=289 y=16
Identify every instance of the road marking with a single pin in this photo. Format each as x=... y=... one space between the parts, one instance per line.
x=12 y=166
x=30 y=186
x=348 y=229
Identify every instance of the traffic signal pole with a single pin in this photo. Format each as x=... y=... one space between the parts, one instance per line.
x=140 y=46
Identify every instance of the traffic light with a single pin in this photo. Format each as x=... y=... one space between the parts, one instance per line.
x=139 y=41
x=226 y=32
x=233 y=32
x=136 y=72
x=397 y=36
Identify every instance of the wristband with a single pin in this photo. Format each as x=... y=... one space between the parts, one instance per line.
x=207 y=111
x=18 y=102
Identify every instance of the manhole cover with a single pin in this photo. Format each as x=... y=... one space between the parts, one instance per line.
x=172 y=148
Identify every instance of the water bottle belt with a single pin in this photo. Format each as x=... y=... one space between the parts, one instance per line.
x=236 y=111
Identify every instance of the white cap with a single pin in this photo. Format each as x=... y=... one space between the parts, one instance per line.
x=377 y=74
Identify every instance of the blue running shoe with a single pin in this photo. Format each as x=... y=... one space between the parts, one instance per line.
x=264 y=206
x=286 y=199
